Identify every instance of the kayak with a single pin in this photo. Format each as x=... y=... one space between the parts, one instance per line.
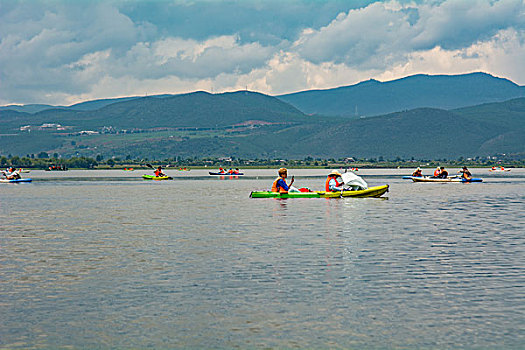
x=376 y=191
x=449 y=179
x=15 y=180
x=409 y=177
x=225 y=174
x=499 y=170
x=153 y=177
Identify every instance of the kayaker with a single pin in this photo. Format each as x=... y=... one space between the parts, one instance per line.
x=417 y=173
x=11 y=174
x=236 y=171
x=279 y=185
x=465 y=173
x=437 y=172
x=158 y=172
x=332 y=185
x=443 y=173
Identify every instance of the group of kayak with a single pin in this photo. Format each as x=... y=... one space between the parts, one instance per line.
x=351 y=185
x=159 y=175
x=336 y=185
x=59 y=167
x=224 y=172
x=442 y=175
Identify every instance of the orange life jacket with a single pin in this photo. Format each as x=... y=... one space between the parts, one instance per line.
x=157 y=172
x=437 y=172
x=327 y=184
x=274 y=186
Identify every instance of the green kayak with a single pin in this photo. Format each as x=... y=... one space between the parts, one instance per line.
x=376 y=191
x=153 y=177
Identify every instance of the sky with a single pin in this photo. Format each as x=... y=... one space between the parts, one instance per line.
x=63 y=52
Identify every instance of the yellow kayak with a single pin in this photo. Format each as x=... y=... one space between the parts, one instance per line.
x=376 y=191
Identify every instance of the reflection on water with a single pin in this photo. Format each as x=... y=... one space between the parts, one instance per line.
x=114 y=261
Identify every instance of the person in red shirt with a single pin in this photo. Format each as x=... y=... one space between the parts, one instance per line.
x=158 y=172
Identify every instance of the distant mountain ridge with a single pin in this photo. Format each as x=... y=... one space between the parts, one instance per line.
x=253 y=125
x=197 y=109
x=372 y=97
x=366 y=98
x=81 y=106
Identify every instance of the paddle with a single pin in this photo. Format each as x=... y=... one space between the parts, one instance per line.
x=152 y=167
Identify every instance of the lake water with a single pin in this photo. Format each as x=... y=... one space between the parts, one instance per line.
x=104 y=259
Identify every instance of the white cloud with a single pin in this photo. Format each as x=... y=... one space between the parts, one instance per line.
x=501 y=56
x=385 y=34
x=65 y=52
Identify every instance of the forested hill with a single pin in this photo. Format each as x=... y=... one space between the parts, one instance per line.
x=252 y=125
x=376 y=98
x=199 y=110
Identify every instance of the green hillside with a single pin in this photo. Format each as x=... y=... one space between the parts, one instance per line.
x=420 y=133
x=509 y=114
x=197 y=109
x=252 y=125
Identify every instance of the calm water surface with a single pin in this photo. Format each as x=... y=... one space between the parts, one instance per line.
x=103 y=259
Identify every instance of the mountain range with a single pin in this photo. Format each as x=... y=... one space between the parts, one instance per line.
x=372 y=97
x=418 y=116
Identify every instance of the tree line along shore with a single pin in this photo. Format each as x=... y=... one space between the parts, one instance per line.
x=45 y=161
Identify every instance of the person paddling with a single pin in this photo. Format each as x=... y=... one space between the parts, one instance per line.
x=279 y=185
x=437 y=172
x=332 y=185
x=158 y=172
x=417 y=173
x=465 y=173
x=11 y=174
x=443 y=173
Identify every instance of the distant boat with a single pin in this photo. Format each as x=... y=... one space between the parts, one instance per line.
x=57 y=168
x=225 y=174
x=499 y=170
x=447 y=179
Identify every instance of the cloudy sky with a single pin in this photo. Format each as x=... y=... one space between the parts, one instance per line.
x=63 y=52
